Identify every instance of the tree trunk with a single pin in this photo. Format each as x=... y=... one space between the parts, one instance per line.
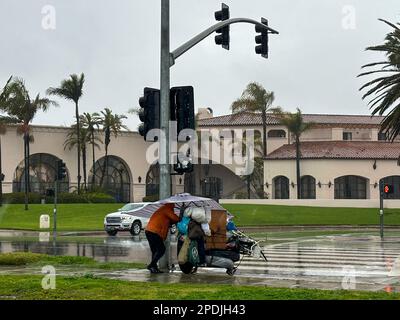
x=1 y=179
x=103 y=171
x=298 y=167
x=248 y=187
x=79 y=146
x=264 y=123
x=84 y=167
x=28 y=153
x=26 y=171
x=93 y=161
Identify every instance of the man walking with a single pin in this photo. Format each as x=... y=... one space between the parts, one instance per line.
x=157 y=232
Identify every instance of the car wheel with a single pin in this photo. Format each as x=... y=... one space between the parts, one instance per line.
x=136 y=228
x=112 y=233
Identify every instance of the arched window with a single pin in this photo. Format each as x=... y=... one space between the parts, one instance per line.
x=277 y=134
x=395 y=182
x=153 y=180
x=281 y=187
x=42 y=174
x=113 y=175
x=307 y=189
x=211 y=187
x=351 y=187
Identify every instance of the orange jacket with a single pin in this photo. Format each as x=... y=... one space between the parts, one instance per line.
x=161 y=220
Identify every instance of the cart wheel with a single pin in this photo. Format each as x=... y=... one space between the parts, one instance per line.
x=186 y=268
x=231 y=272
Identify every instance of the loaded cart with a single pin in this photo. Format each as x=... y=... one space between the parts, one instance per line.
x=224 y=245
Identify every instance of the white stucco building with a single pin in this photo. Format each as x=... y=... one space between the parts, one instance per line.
x=343 y=157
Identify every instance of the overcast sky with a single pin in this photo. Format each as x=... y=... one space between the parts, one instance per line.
x=313 y=62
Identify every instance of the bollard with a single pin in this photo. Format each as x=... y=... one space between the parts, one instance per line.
x=44 y=221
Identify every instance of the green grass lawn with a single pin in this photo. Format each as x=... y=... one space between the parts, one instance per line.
x=35 y=259
x=70 y=217
x=89 y=217
x=255 y=215
x=88 y=287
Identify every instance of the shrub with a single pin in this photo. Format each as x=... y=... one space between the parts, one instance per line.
x=66 y=197
x=152 y=198
x=19 y=198
x=240 y=195
x=97 y=197
x=19 y=258
x=63 y=197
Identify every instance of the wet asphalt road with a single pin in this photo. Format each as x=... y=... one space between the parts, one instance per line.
x=361 y=262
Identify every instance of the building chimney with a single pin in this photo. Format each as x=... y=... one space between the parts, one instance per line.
x=204 y=113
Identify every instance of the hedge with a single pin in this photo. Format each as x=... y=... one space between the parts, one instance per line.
x=152 y=198
x=35 y=198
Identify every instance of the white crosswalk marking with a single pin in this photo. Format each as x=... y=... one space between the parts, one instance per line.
x=326 y=261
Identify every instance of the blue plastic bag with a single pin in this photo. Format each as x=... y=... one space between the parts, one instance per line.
x=183 y=225
x=231 y=226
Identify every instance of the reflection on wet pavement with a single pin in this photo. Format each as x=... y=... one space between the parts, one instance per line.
x=324 y=262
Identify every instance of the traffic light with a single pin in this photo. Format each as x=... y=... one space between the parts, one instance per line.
x=183 y=166
x=387 y=189
x=223 y=38
x=262 y=39
x=61 y=170
x=149 y=113
x=182 y=108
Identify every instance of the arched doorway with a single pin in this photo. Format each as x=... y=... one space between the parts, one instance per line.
x=307 y=190
x=281 y=187
x=395 y=182
x=351 y=187
x=114 y=177
x=42 y=175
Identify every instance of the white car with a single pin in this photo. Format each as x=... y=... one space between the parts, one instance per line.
x=125 y=219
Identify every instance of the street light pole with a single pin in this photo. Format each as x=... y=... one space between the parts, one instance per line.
x=165 y=177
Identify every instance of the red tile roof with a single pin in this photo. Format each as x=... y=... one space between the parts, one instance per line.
x=254 y=119
x=339 y=150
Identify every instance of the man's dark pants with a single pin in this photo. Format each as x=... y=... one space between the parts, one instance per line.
x=157 y=247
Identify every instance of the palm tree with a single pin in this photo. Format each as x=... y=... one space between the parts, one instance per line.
x=92 y=123
x=4 y=121
x=295 y=124
x=21 y=107
x=258 y=100
x=72 y=89
x=112 y=124
x=85 y=137
x=385 y=89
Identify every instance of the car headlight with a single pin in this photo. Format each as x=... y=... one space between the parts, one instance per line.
x=127 y=218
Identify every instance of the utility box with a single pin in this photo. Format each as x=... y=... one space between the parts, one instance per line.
x=44 y=221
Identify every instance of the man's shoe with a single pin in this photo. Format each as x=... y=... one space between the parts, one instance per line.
x=152 y=269
x=159 y=271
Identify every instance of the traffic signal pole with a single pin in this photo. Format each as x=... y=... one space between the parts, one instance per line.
x=55 y=210
x=381 y=194
x=165 y=177
x=167 y=61
x=201 y=36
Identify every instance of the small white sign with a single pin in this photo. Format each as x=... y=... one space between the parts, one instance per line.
x=44 y=221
